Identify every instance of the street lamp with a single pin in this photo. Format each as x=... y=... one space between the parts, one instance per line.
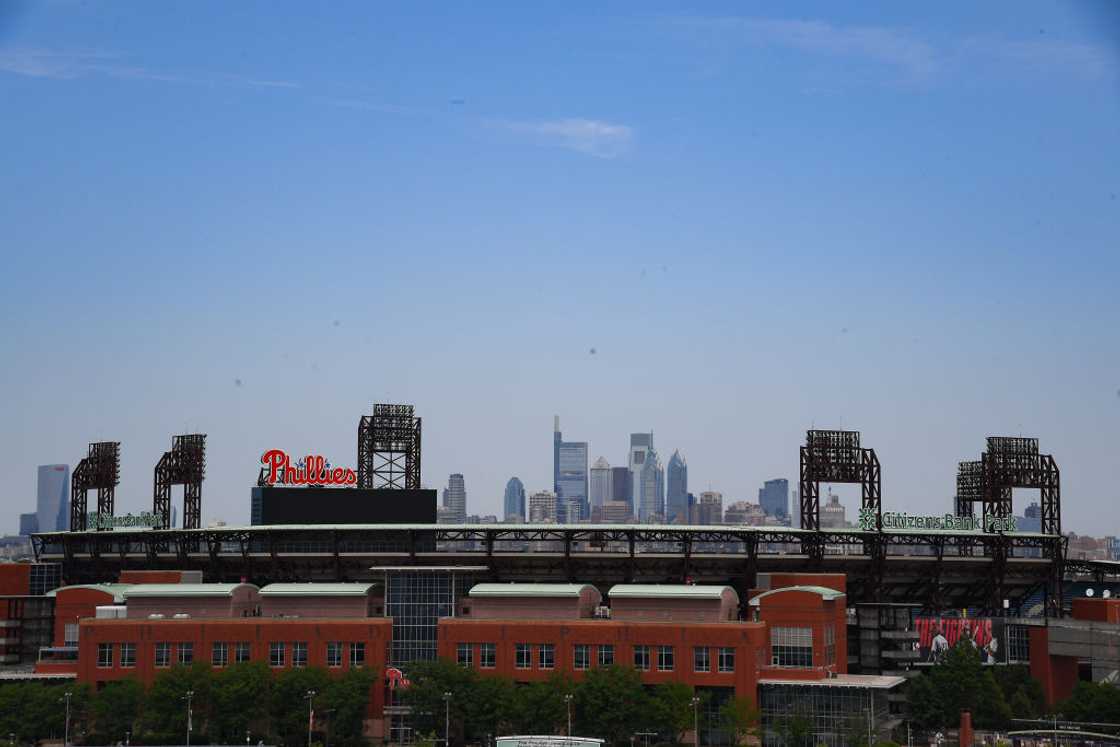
x=696 y=719
x=568 y=703
x=447 y=718
x=189 y=696
x=310 y=714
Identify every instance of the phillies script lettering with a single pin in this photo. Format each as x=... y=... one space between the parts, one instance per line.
x=311 y=470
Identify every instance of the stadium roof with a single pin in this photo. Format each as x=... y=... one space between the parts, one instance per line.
x=667 y=591
x=528 y=590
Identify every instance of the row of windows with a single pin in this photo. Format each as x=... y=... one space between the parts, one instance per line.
x=581 y=656
x=220 y=653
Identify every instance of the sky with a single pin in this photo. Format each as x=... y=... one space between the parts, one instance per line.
x=726 y=223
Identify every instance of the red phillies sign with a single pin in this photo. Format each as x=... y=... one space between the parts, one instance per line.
x=311 y=470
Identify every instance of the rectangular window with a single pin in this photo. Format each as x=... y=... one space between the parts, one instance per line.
x=701 y=659
x=334 y=654
x=488 y=655
x=163 y=655
x=299 y=654
x=581 y=656
x=219 y=654
x=464 y=654
x=641 y=658
x=275 y=654
x=791 y=647
x=524 y=656
x=547 y=655
x=606 y=654
x=186 y=653
x=664 y=658
x=104 y=655
x=241 y=652
x=128 y=655
x=357 y=654
x=70 y=634
x=726 y=659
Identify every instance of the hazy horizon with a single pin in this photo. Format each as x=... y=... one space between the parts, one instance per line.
x=726 y=226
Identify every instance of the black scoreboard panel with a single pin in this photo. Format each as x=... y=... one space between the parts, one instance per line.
x=318 y=505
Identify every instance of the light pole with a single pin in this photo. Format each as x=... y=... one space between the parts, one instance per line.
x=696 y=720
x=447 y=718
x=188 y=696
x=310 y=714
x=568 y=703
x=66 y=734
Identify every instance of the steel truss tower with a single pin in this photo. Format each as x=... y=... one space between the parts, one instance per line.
x=389 y=448
x=100 y=470
x=184 y=465
x=836 y=456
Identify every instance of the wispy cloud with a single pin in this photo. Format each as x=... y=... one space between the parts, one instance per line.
x=70 y=64
x=590 y=136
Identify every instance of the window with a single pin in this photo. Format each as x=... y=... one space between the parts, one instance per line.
x=606 y=654
x=547 y=655
x=219 y=654
x=464 y=654
x=334 y=654
x=128 y=655
x=357 y=654
x=829 y=645
x=524 y=656
x=70 y=634
x=241 y=652
x=641 y=658
x=163 y=655
x=104 y=655
x=275 y=654
x=299 y=654
x=186 y=653
x=701 y=659
x=488 y=655
x=726 y=659
x=581 y=656
x=792 y=647
x=664 y=658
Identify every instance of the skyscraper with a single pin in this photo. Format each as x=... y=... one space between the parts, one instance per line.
x=455 y=498
x=542 y=507
x=676 y=494
x=601 y=485
x=570 y=474
x=52 y=505
x=773 y=496
x=515 y=500
x=622 y=486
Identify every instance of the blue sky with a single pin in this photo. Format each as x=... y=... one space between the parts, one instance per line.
x=255 y=219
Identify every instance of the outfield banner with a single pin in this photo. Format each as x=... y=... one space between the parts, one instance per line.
x=936 y=635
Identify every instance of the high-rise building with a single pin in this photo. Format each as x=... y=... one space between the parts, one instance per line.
x=773 y=496
x=622 y=486
x=601 y=484
x=53 y=502
x=676 y=494
x=647 y=478
x=542 y=507
x=515 y=500
x=710 y=508
x=569 y=467
x=455 y=499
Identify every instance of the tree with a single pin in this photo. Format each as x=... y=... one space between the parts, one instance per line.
x=116 y=709
x=740 y=717
x=240 y=700
x=611 y=703
x=672 y=709
x=289 y=702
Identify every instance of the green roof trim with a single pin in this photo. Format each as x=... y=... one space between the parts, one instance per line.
x=117 y=590
x=317 y=590
x=138 y=591
x=512 y=590
x=667 y=591
x=823 y=591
